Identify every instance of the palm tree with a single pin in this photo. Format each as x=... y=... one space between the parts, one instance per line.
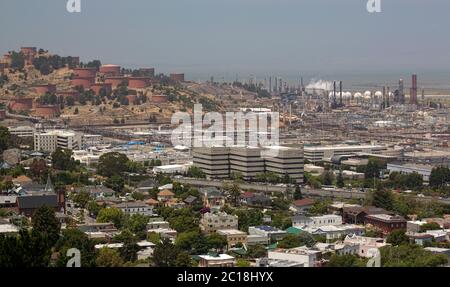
x=235 y=192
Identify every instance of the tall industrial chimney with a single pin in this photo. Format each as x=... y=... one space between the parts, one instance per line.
x=413 y=97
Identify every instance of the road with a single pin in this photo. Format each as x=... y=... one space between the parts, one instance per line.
x=267 y=188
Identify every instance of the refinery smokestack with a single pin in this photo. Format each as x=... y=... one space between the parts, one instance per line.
x=334 y=94
x=413 y=97
x=340 y=92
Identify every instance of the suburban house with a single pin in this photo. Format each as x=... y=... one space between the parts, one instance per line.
x=302 y=255
x=212 y=197
x=365 y=244
x=272 y=233
x=157 y=223
x=211 y=222
x=136 y=207
x=357 y=215
x=97 y=191
x=165 y=196
x=302 y=206
x=220 y=260
x=316 y=221
x=233 y=236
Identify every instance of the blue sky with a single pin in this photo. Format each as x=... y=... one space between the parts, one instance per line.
x=239 y=36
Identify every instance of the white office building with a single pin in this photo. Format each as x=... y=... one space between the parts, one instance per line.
x=316 y=154
x=49 y=141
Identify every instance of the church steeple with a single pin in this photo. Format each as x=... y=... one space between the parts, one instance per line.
x=49 y=186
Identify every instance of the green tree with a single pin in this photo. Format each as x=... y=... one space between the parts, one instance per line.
x=383 y=199
x=5 y=139
x=116 y=183
x=27 y=250
x=235 y=192
x=340 y=180
x=242 y=263
x=327 y=178
x=114 y=215
x=256 y=251
x=397 y=237
x=137 y=223
x=298 y=193
x=407 y=255
x=129 y=251
x=216 y=241
x=82 y=198
x=195 y=172
x=193 y=242
x=62 y=160
x=45 y=223
x=17 y=61
x=373 y=168
x=347 y=260
x=94 y=208
x=108 y=258
x=290 y=241
x=430 y=226
x=439 y=177
x=113 y=163
x=74 y=238
x=166 y=254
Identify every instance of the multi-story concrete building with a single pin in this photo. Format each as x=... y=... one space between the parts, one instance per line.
x=409 y=168
x=212 y=222
x=91 y=140
x=288 y=161
x=49 y=141
x=221 y=162
x=319 y=153
x=22 y=131
x=214 y=161
x=246 y=161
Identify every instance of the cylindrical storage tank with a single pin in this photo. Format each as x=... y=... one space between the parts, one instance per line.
x=147 y=72
x=110 y=70
x=21 y=105
x=85 y=82
x=44 y=89
x=85 y=72
x=66 y=94
x=96 y=88
x=116 y=81
x=138 y=82
x=132 y=99
x=159 y=99
x=47 y=112
x=177 y=77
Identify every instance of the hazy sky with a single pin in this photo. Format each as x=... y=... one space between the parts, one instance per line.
x=238 y=36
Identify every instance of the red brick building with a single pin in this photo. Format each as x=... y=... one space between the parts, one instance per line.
x=386 y=223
